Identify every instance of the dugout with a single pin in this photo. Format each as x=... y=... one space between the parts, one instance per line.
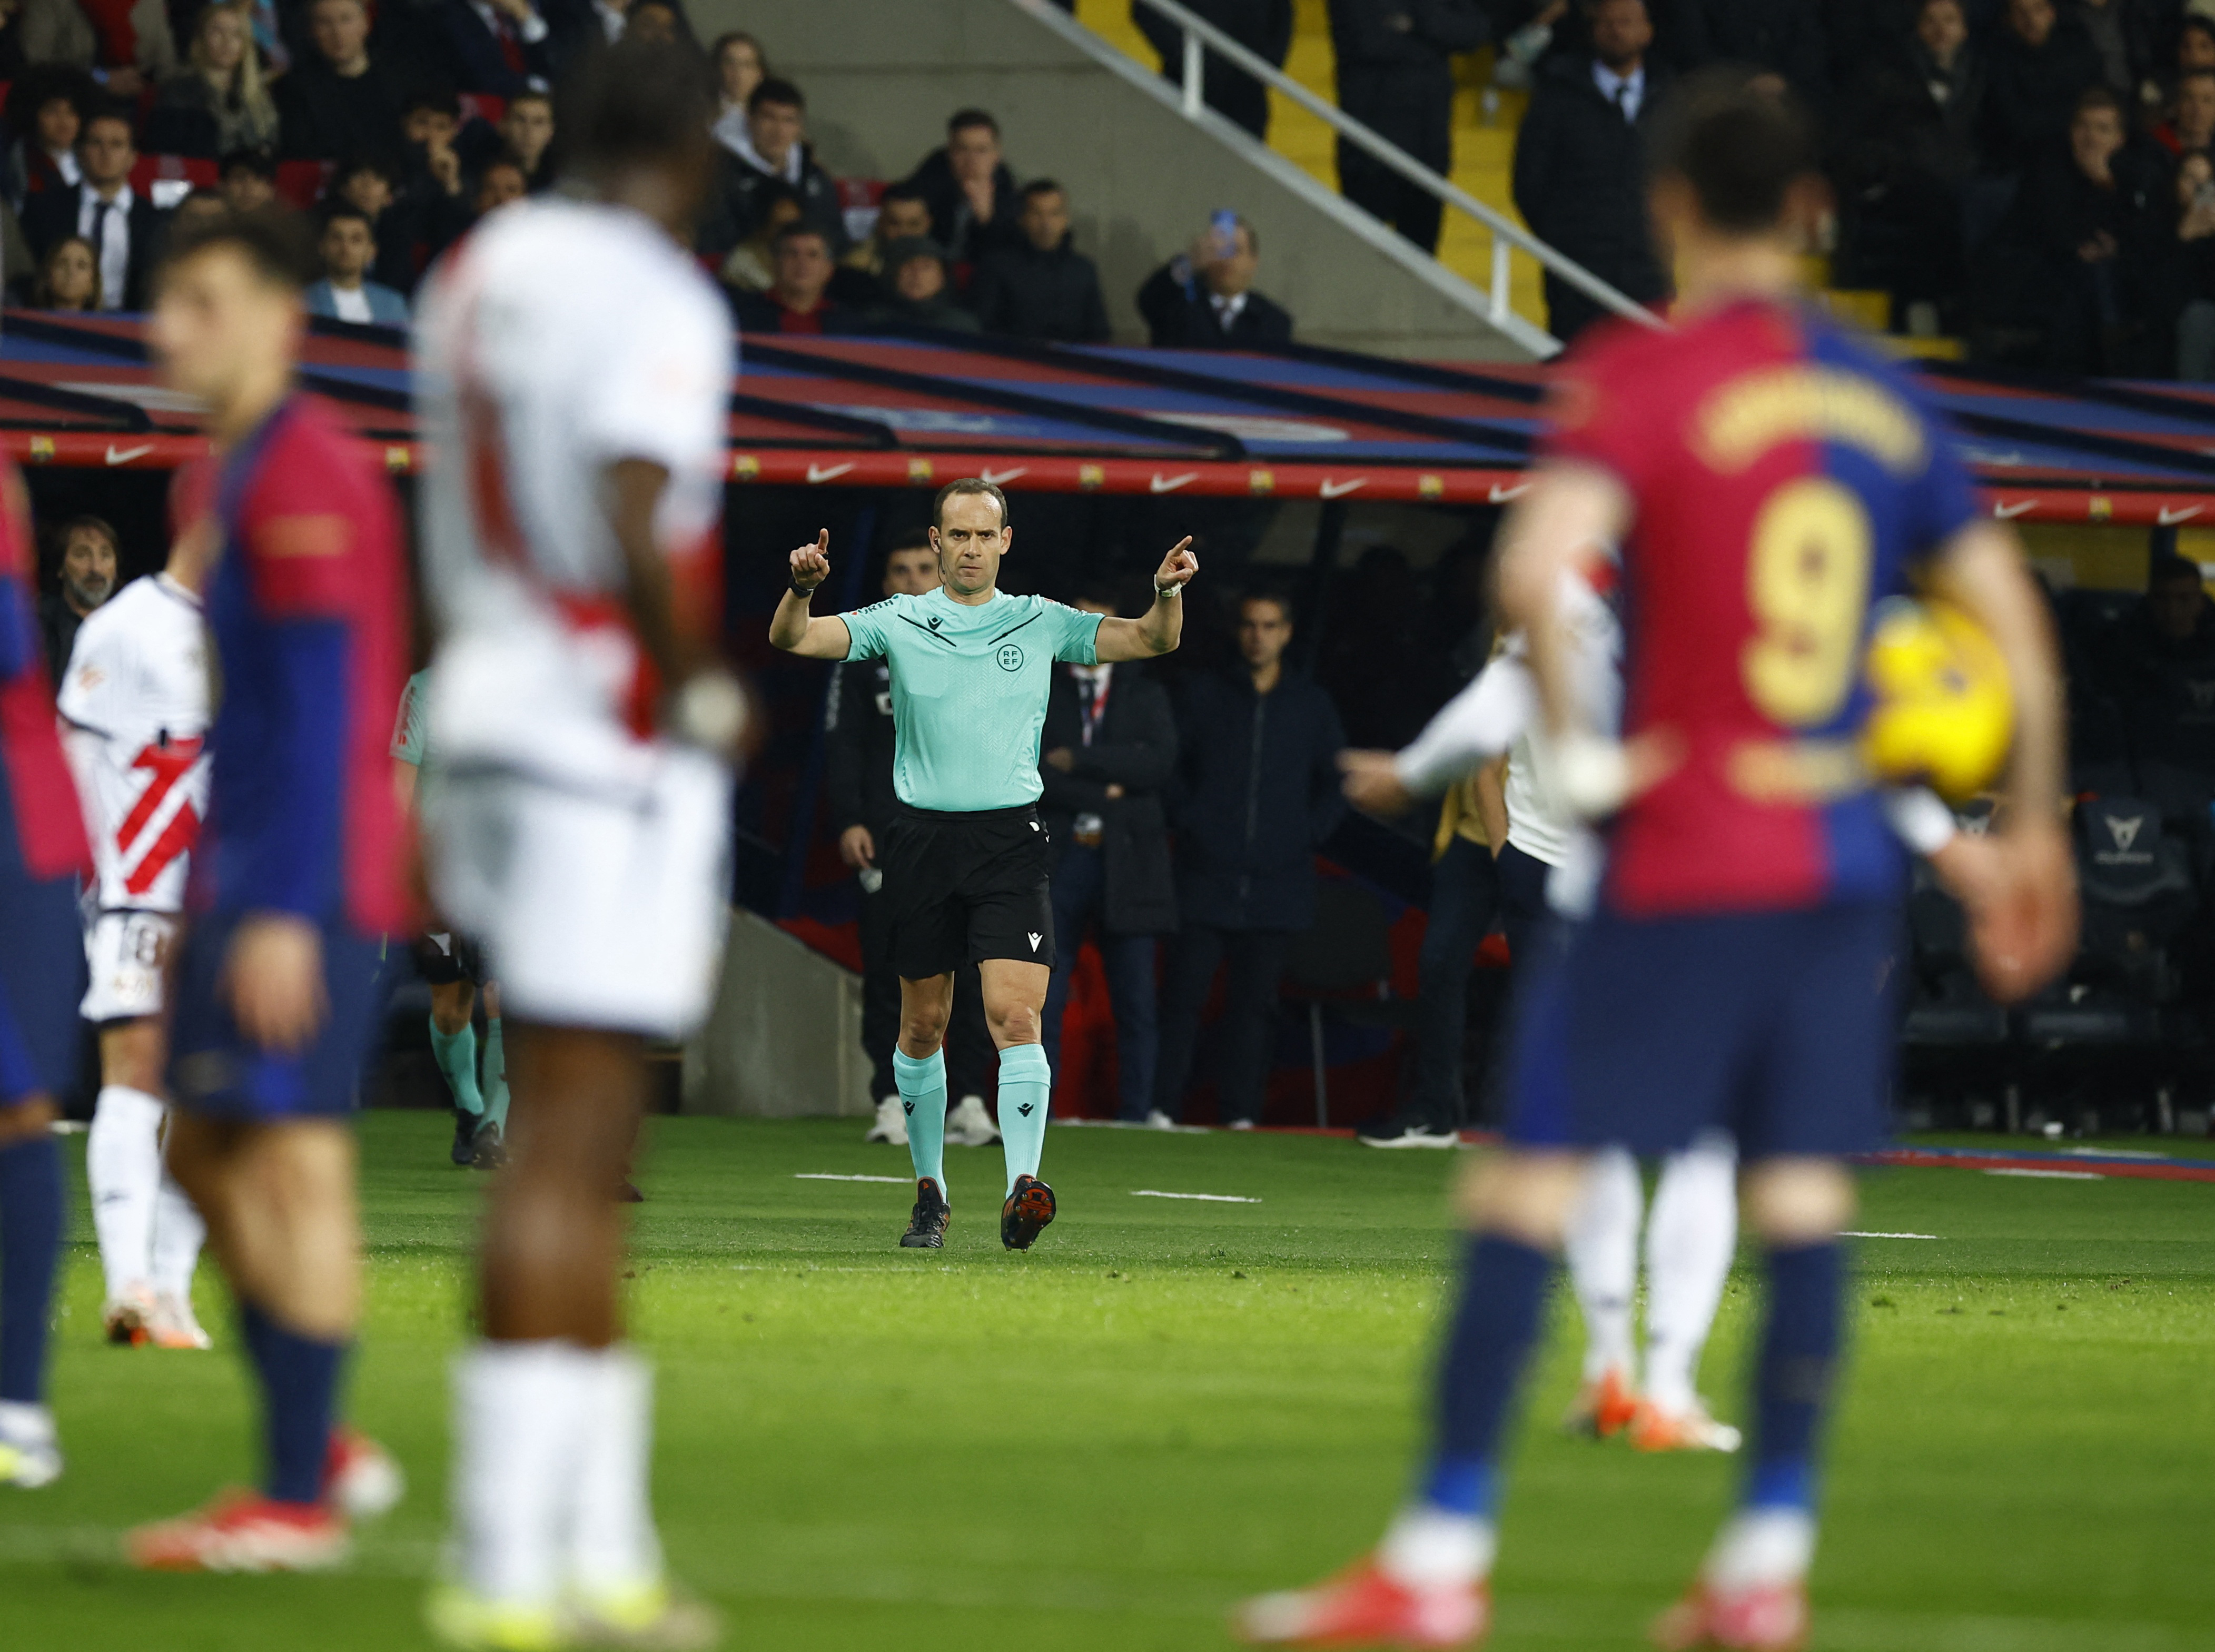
x=1295 y=464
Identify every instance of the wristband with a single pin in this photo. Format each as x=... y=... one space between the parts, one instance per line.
x=804 y=592
x=1169 y=591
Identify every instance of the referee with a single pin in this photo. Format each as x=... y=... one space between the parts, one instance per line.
x=965 y=860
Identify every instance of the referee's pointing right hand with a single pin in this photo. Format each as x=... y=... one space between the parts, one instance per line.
x=811 y=564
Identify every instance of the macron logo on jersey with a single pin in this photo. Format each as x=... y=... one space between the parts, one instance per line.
x=1035 y=939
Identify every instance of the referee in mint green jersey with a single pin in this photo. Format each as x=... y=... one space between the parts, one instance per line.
x=965 y=860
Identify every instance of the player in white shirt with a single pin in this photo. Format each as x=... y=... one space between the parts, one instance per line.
x=574 y=365
x=1691 y=1229
x=134 y=708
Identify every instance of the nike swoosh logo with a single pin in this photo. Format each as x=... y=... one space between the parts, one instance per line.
x=1501 y=495
x=1162 y=484
x=2170 y=519
x=827 y=472
x=2009 y=513
x=1340 y=489
x=125 y=454
x=995 y=477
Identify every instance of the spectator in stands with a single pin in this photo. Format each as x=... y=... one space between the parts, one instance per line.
x=1785 y=38
x=919 y=288
x=2040 y=61
x=13 y=60
x=857 y=784
x=2174 y=622
x=2195 y=43
x=434 y=203
x=1907 y=150
x=123 y=227
x=2123 y=32
x=740 y=66
x=349 y=249
x=751 y=265
x=658 y=22
x=1263 y=27
x=85 y=558
x=246 y=179
x=1207 y=301
x=1580 y=163
x=370 y=186
x=2083 y=232
x=859 y=282
x=501 y=181
x=47 y=108
x=1110 y=748
x=337 y=103
x=795 y=301
x=2190 y=128
x=1256 y=793
x=527 y=129
x=971 y=194
x=69 y=276
x=2184 y=301
x=1041 y=287
x=775 y=151
x=497 y=47
x=217 y=103
x=128 y=46
x=1396 y=76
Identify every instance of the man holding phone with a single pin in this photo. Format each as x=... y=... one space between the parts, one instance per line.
x=1205 y=300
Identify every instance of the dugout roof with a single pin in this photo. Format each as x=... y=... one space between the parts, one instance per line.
x=916 y=409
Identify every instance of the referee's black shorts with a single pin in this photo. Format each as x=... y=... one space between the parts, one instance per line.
x=963 y=888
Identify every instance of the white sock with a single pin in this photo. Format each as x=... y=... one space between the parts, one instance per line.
x=1601 y=1243
x=1430 y=1547
x=613 y=1547
x=521 y=1411
x=179 y=1233
x=1758 y=1548
x=123 y=1163
x=1691 y=1237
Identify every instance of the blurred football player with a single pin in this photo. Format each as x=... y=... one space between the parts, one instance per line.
x=43 y=853
x=134 y=705
x=296 y=878
x=1769 y=478
x=576 y=365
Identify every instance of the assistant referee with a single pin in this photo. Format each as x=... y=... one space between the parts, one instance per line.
x=966 y=859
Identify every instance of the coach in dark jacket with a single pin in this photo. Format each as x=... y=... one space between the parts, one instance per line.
x=1395 y=76
x=1041 y=287
x=1256 y=793
x=1110 y=746
x=1581 y=165
x=857 y=782
x=1207 y=301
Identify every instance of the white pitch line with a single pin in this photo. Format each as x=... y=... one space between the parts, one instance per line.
x=1211 y=1198
x=825 y=1176
x=1887 y=1236
x=2049 y=1176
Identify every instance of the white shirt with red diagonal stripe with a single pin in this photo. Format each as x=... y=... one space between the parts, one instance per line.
x=134 y=705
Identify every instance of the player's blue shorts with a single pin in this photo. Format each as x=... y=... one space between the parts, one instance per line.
x=1778 y=1026
x=42 y=972
x=213 y=1070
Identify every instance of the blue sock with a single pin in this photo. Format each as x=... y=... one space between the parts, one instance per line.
x=1503 y=1290
x=1025 y=1084
x=30 y=1246
x=1792 y=1385
x=299 y=1388
x=457 y=1056
x=922 y=1086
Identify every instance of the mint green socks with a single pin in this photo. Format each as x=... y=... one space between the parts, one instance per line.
x=1026 y=1081
x=457 y=1056
x=495 y=1076
x=922 y=1086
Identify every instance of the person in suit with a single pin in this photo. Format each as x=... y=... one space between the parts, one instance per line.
x=497 y=47
x=1396 y=76
x=1110 y=744
x=124 y=228
x=1263 y=27
x=348 y=249
x=1207 y=301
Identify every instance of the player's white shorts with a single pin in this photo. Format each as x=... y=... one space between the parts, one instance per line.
x=128 y=952
x=604 y=902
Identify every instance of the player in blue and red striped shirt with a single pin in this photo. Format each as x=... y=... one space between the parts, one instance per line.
x=296 y=878
x=43 y=853
x=1769 y=479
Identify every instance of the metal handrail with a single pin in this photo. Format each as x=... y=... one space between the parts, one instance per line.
x=1201 y=36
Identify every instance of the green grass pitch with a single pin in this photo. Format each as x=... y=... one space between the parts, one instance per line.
x=1171 y=1405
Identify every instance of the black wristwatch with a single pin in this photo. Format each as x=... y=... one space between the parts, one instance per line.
x=804 y=592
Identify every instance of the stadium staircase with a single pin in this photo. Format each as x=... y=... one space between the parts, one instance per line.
x=1486 y=118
